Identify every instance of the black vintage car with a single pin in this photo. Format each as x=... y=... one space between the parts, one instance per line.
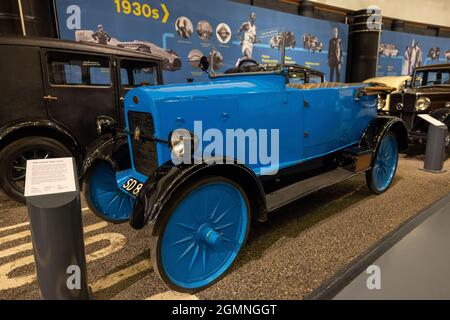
x=428 y=93
x=52 y=93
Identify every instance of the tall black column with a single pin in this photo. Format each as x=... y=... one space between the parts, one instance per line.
x=39 y=18
x=364 y=39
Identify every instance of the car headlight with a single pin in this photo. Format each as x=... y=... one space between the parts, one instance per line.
x=180 y=140
x=381 y=103
x=422 y=104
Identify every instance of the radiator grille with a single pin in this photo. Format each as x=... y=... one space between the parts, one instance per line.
x=144 y=152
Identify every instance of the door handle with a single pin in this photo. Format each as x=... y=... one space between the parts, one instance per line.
x=50 y=98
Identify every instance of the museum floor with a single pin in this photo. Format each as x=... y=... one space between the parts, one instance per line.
x=287 y=258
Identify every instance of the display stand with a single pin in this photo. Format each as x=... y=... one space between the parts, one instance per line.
x=54 y=208
x=435 y=152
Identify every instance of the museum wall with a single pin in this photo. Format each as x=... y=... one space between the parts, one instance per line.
x=434 y=12
x=183 y=32
x=195 y=28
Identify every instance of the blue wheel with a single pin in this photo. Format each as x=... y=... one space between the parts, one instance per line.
x=103 y=195
x=198 y=237
x=384 y=166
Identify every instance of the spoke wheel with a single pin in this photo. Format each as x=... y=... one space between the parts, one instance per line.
x=104 y=197
x=198 y=238
x=384 y=166
x=13 y=161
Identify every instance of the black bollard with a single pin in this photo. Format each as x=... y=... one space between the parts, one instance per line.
x=435 y=151
x=58 y=244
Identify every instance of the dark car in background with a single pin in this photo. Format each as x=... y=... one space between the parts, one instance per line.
x=52 y=93
x=428 y=93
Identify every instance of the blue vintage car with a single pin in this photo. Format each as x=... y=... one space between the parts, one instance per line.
x=201 y=211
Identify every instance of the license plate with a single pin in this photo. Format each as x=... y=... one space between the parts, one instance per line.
x=133 y=186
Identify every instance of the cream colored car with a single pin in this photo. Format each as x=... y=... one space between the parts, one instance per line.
x=396 y=82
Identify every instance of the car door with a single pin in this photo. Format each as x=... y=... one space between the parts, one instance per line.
x=326 y=117
x=134 y=73
x=78 y=88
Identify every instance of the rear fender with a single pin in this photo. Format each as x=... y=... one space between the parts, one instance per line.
x=378 y=128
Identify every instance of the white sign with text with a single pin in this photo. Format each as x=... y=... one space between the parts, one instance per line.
x=49 y=176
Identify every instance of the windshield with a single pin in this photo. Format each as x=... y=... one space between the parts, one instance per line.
x=429 y=78
x=263 y=50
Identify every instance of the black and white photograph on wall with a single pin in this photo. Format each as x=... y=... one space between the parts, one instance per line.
x=312 y=43
x=413 y=58
x=247 y=35
x=101 y=36
x=388 y=50
x=184 y=27
x=223 y=33
x=204 y=30
x=335 y=55
x=194 y=58
x=290 y=40
x=434 y=53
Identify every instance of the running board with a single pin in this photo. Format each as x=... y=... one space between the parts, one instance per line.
x=282 y=197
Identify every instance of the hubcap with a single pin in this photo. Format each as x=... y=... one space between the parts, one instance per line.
x=204 y=235
x=208 y=235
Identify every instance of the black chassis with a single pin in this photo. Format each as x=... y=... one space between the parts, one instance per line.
x=169 y=178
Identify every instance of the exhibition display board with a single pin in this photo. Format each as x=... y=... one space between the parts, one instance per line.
x=400 y=52
x=189 y=30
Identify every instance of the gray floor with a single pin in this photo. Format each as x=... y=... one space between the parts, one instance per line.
x=417 y=267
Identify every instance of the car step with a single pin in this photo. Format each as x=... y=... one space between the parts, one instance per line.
x=356 y=159
x=282 y=197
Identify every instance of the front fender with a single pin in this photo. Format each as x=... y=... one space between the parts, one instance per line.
x=111 y=149
x=379 y=127
x=442 y=115
x=168 y=179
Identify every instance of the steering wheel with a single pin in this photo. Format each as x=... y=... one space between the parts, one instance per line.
x=248 y=60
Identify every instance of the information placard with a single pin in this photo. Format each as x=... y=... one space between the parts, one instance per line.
x=431 y=120
x=49 y=176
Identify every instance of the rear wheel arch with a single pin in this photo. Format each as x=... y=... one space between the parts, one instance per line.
x=401 y=133
x=382 y=125
x=54 y=133
x=14 y=156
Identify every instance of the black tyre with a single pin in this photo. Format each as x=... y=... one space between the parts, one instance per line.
x=198 y=236
x=13 y=159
